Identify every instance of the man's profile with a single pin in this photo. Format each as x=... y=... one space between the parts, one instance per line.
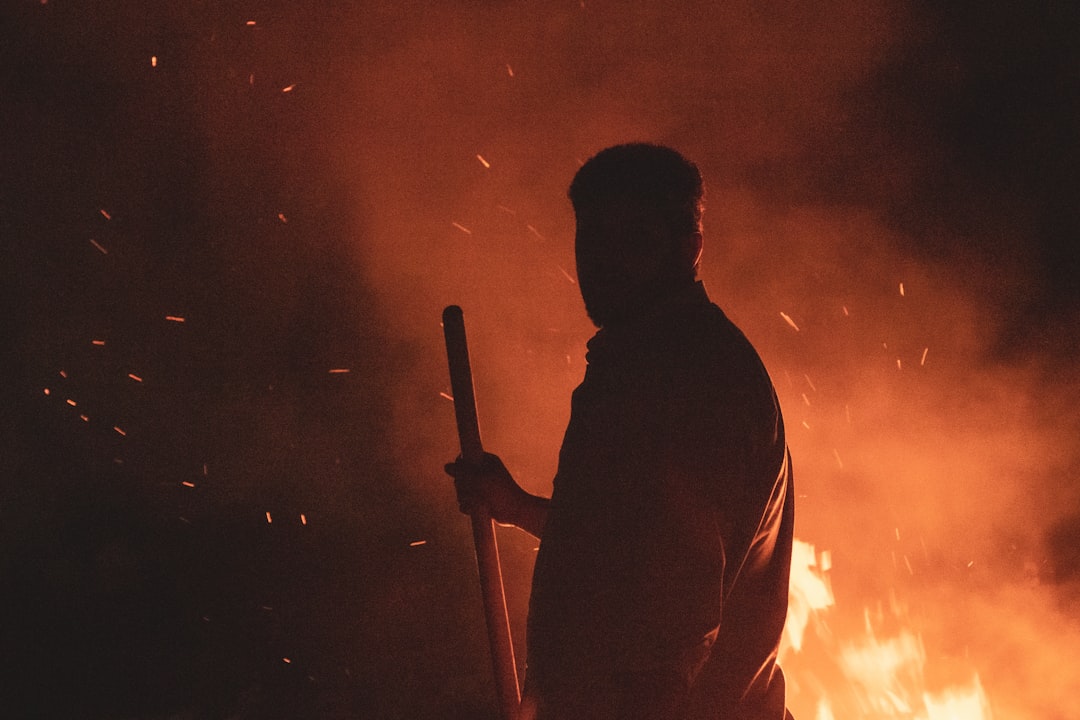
x=660 y=586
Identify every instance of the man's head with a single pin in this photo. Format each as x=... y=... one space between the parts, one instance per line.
x=638 y=239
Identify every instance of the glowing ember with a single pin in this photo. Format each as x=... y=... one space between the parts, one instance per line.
x=175 y=318
x=303 y=519
x=448 y=396
x=462 y=228
x=483 y=162
x=99 y=343
x=153 y=61
x=97 y=245
x=339 y=371
x=288 y=88
x=187 y=483
x=135 y=377
x=269 y=519
x=105 y=214
x=789 y=321
x=418 y=543
x=119 y=431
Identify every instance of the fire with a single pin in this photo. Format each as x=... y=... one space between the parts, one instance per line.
x=871 y=674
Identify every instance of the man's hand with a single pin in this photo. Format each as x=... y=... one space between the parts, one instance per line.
x=490 y=485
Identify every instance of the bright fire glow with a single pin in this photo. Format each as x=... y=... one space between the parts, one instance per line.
x=871 y=674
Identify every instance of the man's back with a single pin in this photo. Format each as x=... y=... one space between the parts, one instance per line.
x=660 y=588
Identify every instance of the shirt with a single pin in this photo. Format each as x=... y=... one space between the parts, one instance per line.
x=660 y=585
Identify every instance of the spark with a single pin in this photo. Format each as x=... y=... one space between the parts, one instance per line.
x=251 y=79
x=789 y=321
x=339 y=371
x=48 y=392
x=205 y=469
x=282 y=218
x=505 y=209
x=175 y=318
x=105 y=214
x=98 y=245
x=288 y=88
x=844 y=308
x=303 y=519
x=806 y=424
x=286 y=660
x=119 y=431
x=535 y=232
x=907 y=564
x=922 y=361
x=809 y=382
x=269 y=520
x=899 y=365
x=462 y=228
x=249 y=23
x=153 y=61
x=806 y=399
x=483 y=162
x=71 y=402
x=99 y=343
x=134 y=377
x=188 y=483
x=509 y=70
x=901 y=289
x=567 y=275
x=839 y=462
x=63 y=373
x=418 y=543
x=84 y=418
x=448 y=396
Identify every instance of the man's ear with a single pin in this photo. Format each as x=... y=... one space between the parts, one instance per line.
x=691 y=248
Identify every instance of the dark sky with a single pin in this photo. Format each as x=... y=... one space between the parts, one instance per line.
x=207 y=208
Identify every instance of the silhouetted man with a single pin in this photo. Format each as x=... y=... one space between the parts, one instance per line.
x=660 y=587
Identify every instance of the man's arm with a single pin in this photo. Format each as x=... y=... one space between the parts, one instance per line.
x=491 y=485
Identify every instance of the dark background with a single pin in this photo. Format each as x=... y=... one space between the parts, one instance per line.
x=166 y=570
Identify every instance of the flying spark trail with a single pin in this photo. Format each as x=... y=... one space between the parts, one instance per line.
x=483 y=162
x=98 y=245
x=135 y=377
x=922 y=361
x=288 y=88
x=789 y=321
x=462 y=228
x=174 y=318
x=105 y=214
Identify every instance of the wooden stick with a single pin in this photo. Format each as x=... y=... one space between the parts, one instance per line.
x=487 y=551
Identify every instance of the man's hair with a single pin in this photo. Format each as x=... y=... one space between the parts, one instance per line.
x=653 y=176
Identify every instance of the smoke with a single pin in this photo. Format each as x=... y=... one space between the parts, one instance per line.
x=923 y=458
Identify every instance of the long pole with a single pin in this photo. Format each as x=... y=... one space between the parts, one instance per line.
x=487 y=551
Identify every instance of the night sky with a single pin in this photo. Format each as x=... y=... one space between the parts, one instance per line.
x=228 y=230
